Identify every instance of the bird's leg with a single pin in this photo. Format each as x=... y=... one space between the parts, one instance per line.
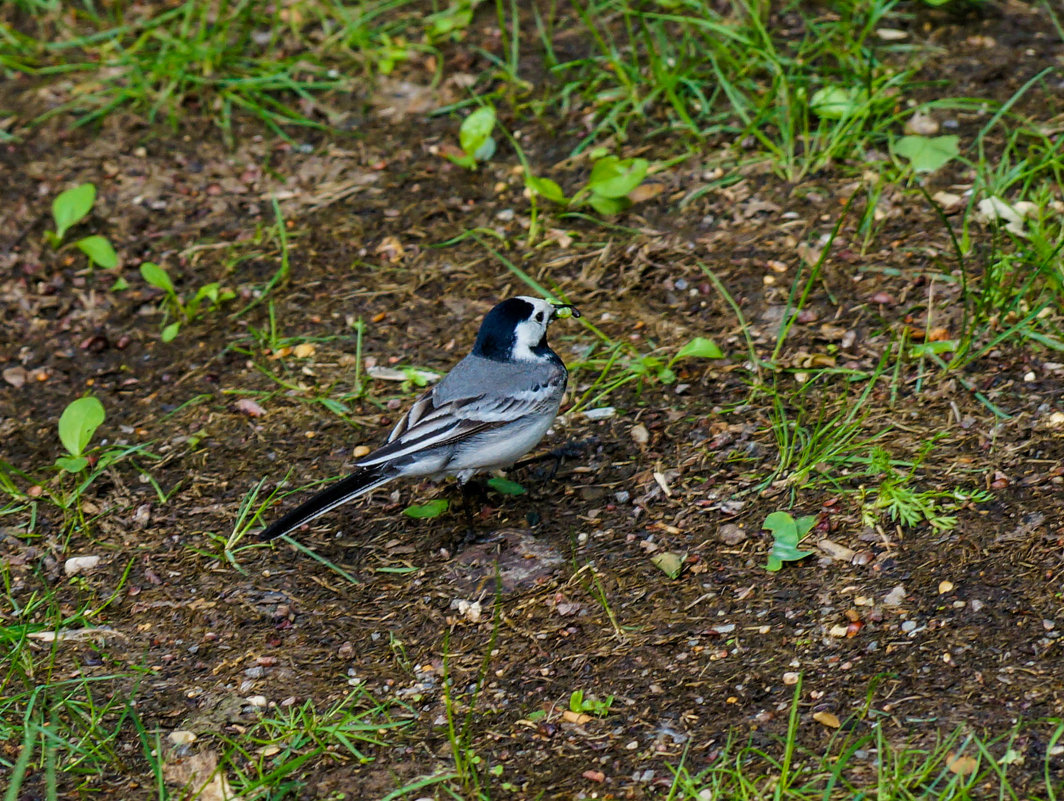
x=558 y=455
x=473 y=493
x=467 y=508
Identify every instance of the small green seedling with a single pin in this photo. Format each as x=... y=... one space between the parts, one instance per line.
x=68 y=209
x=172 y=303
x=389 y=53
x=451 y=23
x=928 y=153
x=475 y=139
x=77 y=424
x=427 y=510
x=611 y=181
x=505 y=486
x=786 y=534
x=836 y=102
x=589 y=705
x=648 y=365
x=908 y=506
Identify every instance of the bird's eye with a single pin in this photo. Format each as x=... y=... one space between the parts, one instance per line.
x=539 y=317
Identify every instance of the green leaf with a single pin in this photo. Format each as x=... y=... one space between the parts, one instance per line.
x=671 y=564
x=786 y=534
x=928 y=153
x=79 y=422
x=838 y=102
x=612 y=177
x=700 y=348
x=157 y=277
x=666 y=375
x=608 y=206
x=70 y=207
x=451 y=21
x=464 y=161
x=72 y=464
x=431 y=509
x=485 y=151
x=547 y=188
x=937 y=347
x=99 y=251
x=209 y=291
x=505 y=486
x=119 y=284
x=170 y=332
x=334 y=406
x=475 y=132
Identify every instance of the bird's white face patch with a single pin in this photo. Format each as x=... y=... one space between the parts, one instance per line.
x=529 y=333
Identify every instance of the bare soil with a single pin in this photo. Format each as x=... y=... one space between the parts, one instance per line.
x=971 y=640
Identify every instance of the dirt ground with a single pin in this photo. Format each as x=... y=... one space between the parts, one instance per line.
x=972 y=639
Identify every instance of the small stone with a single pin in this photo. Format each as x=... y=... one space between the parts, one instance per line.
x=16 y=376
x=360 y=451
x=731 y=534
x=80 y=564
x=862 y=558
x=908 y=626
x=944 y=587
x=835 y=550
x=896 y=597
x=256 y=700
x=640 y=434
x=922 y=125
x=181 y=737
x=790 y=678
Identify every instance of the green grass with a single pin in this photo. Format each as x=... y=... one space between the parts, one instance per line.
x=205 y=58
x=809 y=95
x=960 y=766
x=859 y=761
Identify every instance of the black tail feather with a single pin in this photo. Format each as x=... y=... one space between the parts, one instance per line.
x=358 y=483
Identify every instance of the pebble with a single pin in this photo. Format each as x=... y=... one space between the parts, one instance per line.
x=896 y=597
x=731 y=534
x=256 y=672
x=908 y=625
x=181 y=737
x=602 y=413
x=80 y=564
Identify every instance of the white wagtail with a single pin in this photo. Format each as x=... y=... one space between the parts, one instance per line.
x=488 y=412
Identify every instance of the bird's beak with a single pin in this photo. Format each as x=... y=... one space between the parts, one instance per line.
x=565 y=310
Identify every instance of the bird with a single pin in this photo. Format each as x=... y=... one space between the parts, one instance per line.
x=492 y=408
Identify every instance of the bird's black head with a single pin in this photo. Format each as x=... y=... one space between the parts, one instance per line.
x=516 y=329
